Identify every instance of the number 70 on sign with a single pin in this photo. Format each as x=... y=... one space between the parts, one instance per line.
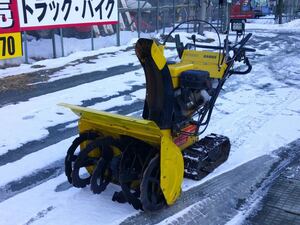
x=10 y=45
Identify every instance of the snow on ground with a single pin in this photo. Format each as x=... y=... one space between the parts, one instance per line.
x=259 y=112
x=257 y=121
x=27 y=121
x=42 y=205
x=54 y=63
x=269 y=19
x=45 y=157
x=269 y=25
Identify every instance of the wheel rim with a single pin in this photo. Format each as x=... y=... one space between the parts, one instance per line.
x=84 y=160
x=152 y=197
x=102 y=174
x=71 y=157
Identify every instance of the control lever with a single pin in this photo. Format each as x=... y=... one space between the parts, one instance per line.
x=194 y=40
x=179 y=45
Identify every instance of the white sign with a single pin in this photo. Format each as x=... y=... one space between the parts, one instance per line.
x=41 y=14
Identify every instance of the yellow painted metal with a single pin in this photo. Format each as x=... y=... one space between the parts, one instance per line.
x=171 y=168
x=158 y=56
x=205 y=60
x=197 y=60
x=161 y=48
x=115 y=125
x=177 y=69
x=10 y=45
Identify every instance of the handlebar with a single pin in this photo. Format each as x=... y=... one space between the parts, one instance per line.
x=240 y=54
x=242 y=44
x=248 y=70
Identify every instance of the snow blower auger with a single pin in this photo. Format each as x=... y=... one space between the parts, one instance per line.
x=149 y=157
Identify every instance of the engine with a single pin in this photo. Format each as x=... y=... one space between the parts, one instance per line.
x=195 y=90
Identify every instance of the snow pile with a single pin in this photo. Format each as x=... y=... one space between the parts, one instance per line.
x=293 y=25
x=270 y=19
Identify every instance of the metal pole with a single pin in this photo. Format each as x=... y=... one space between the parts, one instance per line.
x=118 y=30
x=139 y=19
x=164 y=21
x=92 y=38
x=293 y=3
x=26 y=48
x=157 y=15
x=202 y=16
x=174 y=13
x=188 y=16
x=226 y=17
x=53 y=44
x=219 y=16
x=280 y=10
x=62 y=42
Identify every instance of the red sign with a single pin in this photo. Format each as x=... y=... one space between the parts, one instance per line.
x=9 y=17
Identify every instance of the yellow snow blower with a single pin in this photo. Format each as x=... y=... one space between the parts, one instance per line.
x=149 y=157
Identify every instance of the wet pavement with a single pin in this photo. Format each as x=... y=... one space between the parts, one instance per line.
x=281 y=204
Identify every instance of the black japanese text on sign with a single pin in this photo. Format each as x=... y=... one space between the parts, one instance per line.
x=42 y=14
x=10 y=36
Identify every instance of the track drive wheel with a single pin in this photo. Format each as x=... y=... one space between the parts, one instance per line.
x=152 y=197
x=71 y=153
x=85 y=160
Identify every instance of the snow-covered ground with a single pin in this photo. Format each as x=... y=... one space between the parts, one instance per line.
x=269 y=24
x=259 y=112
